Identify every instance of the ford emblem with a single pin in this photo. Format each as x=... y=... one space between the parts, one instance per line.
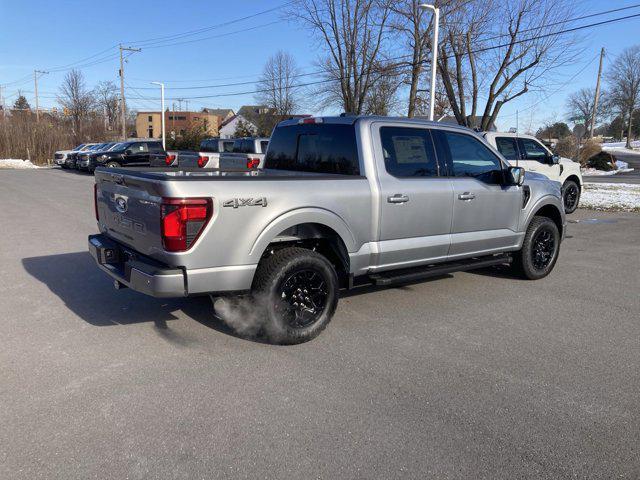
x=121 y=204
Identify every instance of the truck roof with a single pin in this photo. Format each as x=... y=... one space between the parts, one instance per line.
x=352 y=119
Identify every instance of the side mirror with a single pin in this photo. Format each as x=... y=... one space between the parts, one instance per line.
x=128 y=151
x=515 y=176
x=555 y=159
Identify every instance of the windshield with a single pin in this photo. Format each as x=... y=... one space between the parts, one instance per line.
x=115 y=146
x=78 y=147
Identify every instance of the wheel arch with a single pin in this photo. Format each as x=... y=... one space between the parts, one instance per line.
x=316 y=229
x=551 y=211
x=574 y=178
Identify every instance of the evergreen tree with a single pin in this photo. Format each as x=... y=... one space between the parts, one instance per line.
x=244 y=129
x=21 y=103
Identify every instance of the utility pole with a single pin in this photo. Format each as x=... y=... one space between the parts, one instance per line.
x=35 y=81
x=123 y=106
x=179 y=104
x=595 y=100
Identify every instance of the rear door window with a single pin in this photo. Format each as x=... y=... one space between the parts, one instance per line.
x=138 y=148
x=322 y=148
x=227 y=146
x=408 y=152
x=508 y=147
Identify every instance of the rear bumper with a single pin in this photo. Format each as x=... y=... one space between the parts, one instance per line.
x=137 y=273
x=143 y=274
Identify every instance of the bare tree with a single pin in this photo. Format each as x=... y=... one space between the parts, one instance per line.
x=106 y=95
x=414 y=26
x=75 y=98
x=276 y=87
x=580 y=105
x=382 y=96
x=623 y=78
x=482 y=60
x=352 y=31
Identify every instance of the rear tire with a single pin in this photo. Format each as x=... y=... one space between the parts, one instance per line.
x=539 y=251
x=570 y=196
x=297 y=290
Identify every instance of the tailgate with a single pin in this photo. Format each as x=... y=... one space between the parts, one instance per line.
x=239 y=160
x=129 y=210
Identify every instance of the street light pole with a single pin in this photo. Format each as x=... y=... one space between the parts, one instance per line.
x=164 y=143
x=434 y=55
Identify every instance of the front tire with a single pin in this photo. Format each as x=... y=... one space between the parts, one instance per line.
x=112 y=164
x=570 y=196
x=540 y=249
x=297 y=289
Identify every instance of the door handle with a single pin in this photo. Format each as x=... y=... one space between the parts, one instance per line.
x=398 y=198
x=466 y=196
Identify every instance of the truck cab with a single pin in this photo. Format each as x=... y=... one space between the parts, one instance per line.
x=530 y=153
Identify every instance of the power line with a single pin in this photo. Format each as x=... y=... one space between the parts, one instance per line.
x=576 y=75
x=319 y=72
x=166 y=38
x=244 y=30
x=537 y=37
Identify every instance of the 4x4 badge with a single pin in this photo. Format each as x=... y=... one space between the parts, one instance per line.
x=246 y=202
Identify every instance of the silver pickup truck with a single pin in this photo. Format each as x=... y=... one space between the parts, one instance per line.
x=342 y=202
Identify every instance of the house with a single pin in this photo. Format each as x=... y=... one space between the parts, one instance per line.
x=228 y=128
x=149 y=124
x=224 y=113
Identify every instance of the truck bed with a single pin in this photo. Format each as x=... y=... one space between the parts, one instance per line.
x=195 y=174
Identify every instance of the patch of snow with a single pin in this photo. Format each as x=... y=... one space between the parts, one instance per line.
x=621 y=167
x=16 y=163
x=620 y=197
x=634 y=144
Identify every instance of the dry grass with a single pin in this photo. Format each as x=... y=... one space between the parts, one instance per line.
x=22 y=137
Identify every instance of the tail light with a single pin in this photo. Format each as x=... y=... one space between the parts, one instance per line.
x=95 y=200
x=183 y=220
x=169 y=159
x=202 y=161
x=253 y=163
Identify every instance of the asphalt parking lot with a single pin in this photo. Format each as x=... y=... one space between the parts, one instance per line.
x=474 y=375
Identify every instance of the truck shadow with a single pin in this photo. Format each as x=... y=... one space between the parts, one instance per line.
x=89 y=293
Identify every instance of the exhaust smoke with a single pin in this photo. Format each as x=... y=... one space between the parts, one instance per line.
x=248 y=317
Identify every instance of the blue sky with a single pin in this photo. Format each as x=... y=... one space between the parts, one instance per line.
x=45 y=35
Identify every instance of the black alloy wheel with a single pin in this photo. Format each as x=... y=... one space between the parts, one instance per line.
x=296 y=290
x=303 y=298
x=543 y=249
x=540 y=249
x=570 y=196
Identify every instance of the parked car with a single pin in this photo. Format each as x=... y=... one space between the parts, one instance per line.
x=70 y=160
x=530 y=153
x=84 y=159
x=248 y=154
x=342 y=201
x=209 y=154
x=60 y=157
x=128 y=154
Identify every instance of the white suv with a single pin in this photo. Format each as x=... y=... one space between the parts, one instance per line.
x=528 y=152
